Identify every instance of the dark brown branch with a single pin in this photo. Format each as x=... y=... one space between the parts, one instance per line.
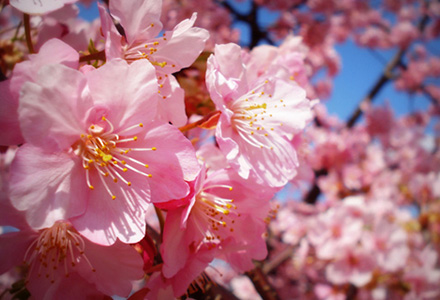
x=27 y=30
x=2 y=76
x=261 y=284
x=257 y=33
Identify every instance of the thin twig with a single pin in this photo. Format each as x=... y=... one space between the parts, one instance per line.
x=27 y=30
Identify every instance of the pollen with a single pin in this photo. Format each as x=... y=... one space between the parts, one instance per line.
x=105 y=154
x=107 y=157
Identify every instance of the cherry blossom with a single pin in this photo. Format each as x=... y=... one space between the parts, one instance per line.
x=253 y=129
x=108 y=152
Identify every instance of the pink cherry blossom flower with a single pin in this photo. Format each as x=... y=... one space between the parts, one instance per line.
x=389 y=244
x=353 y=266
x=257 y=123
x=424 y=276
x=333 y=231
x=92 y=153
x=39 y=7
x=224 y=214
x=327 y=292
x=58 y=257
x=175 y=50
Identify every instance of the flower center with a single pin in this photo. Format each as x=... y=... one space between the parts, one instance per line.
x=108 y=153
x=59 y=246
x=252 y=114
x=218 y=212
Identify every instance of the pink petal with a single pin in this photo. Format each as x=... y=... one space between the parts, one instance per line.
x=184 y=44
x=113 y=39
x=174 y=249
x=225 y=74
x=172 y=108
x=173 y=163
x=51 y=112
x=54 y=51
x=10 y=133
x=67 y=288
x=9 y=215
x=40 y=6
x=49 y=186
x=136 y=17
x=123 y=218
x=133 y=99
x=116 y=267
x=13 y=246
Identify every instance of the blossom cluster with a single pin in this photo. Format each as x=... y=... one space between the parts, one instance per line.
x=97 y=143
x=146 y=155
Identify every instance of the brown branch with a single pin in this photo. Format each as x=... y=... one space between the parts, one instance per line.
x=278 y=259
x=261 y=284
x=2 y=76
x=27 y=31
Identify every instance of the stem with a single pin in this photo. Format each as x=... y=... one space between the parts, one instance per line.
x=94 y=56
x=27 y=30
